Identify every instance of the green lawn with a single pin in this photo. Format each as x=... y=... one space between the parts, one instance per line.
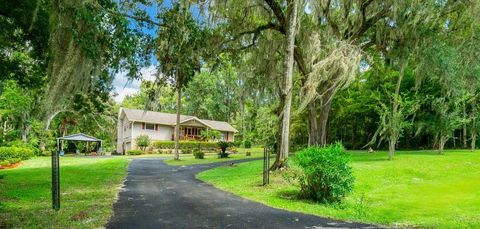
x=418 y=188
x=88 y=190
x=212 y=158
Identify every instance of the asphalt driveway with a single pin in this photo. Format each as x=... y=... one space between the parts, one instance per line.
x=156 y=195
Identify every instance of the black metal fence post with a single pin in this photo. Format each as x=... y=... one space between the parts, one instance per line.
x=56 y=178
x=266 y=166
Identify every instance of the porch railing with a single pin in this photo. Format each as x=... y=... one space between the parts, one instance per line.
x=189 y=138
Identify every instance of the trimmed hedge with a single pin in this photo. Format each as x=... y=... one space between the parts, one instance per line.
x=11 y=155
x=134 y=152
x=185 y=145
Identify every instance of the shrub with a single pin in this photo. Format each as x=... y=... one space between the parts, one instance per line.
x=134 y=152
x=46 y=153
x=326 y=174
x=248 y=154
x=247 y=144
x=164 y=144
x=210 y=134
x=210 y=151
x=114 y=152
x=198 y=154
x=36 y=151
x=237 y=143
x=15 y=154
x=143 y=141
x=185 y=145
x=186 y=151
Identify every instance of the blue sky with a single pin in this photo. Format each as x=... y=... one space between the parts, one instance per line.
x=122 y=85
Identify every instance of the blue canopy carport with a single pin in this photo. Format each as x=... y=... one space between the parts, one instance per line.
x=80 y=137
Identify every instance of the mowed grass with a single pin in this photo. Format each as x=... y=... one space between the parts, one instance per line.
x=88 y=190
x=416 y=189
x=212 y=158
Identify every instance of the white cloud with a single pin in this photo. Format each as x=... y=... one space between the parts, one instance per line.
x=124 y=87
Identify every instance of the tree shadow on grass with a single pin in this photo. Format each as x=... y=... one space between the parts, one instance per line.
x=295 y=195
x=290 y=195
x=383 y=156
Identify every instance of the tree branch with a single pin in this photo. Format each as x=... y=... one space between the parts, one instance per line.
x=278 y=12
x=136 y=18
x=333 y=26
x=141 y=19
x=257 y=30
x=298 y=56
x=367 y=24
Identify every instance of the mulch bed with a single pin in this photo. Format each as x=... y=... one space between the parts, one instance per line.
x=11 y=166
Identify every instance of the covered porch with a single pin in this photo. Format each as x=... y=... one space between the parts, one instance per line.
x=191 y=128
x=191 y=133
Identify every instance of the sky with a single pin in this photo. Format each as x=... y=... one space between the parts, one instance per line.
x=124 y=87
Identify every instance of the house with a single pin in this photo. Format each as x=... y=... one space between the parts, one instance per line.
x=160 y=127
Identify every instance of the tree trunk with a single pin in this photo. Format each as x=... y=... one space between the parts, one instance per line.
x=242 y=107
x=441 y=143
x=278 y=136
x=284 y=146
x=177 y=124
x=473 y=131
x=47 y=121
x=391 y=148
x=464 y=133
x=25 y=127
x=325 y=110
x=313 y=137
x=24 y=133
x=454 y=141
x=393 y=122
x=474 y=139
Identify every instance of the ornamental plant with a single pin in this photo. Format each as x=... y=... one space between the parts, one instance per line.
x=223 y=147
x=326 y=175
x=143 y=141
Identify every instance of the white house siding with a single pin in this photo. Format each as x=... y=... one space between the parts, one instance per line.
x=128 y=130
x=119 y=136
x=123 y=133
x=227 y=136
x=231 y=137
x=163 y=133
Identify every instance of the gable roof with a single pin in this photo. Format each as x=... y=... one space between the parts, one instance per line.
x=80 y=137
x=170 y=119
x=198 y=120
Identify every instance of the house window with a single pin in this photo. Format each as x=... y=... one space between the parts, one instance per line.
x=149 y=126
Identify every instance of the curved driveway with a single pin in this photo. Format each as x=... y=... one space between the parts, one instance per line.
x=157 y=195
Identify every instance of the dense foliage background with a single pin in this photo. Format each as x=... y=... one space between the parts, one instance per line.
x=402 y=75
